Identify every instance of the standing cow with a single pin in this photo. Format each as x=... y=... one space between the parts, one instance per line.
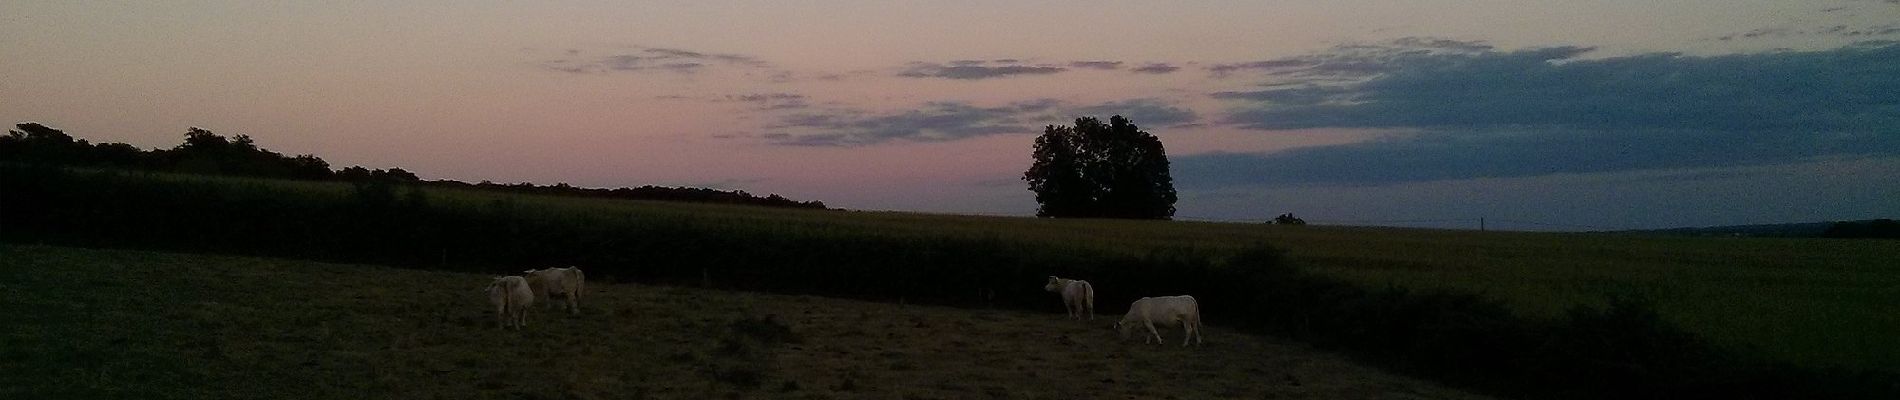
x=568 y=282
x=1168 y=311
x=1077 y=295
x=511 y=297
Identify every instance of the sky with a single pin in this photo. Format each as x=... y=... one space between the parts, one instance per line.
x=1534 y=115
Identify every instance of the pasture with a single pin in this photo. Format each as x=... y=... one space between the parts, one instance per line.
x=86 y=323
x=1814 y=302
x=1542 y=315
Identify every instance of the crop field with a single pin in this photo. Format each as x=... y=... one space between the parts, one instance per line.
x=88 y=323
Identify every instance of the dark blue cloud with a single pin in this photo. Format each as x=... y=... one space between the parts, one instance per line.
x=985 y=69
x=1843 y=26
x=1103 y=65
x=694 y=55
x=651 y=59
x=975 y=69
x=1834 y=30
x=1546 y=111
x=1299 y=95
x=1355 y=61
x=1853 y=88
x=949 y=121
x=1146 y=112
x=934 y=122
x=1436 y=156
x=772 y=101
x=1155 y=68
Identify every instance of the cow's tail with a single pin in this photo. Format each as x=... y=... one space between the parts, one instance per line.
x=580 y=284
x=1197 y=311
x=1088 y=296
x=507 y=303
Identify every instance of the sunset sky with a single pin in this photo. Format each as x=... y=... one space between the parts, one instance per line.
x=1536 y=115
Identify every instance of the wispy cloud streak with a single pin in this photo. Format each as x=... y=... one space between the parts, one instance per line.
x=644 y=59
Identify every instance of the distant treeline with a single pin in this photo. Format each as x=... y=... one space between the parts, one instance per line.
x=1862 y=229
x=1625 y=351
x=648 y=192
x=1878 y=229
x=204 y=152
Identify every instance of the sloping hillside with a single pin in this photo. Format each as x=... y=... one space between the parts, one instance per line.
x=88 y=323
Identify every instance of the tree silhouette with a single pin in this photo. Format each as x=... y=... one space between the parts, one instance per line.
x=1096 y=170
x=1879 y=228
x=206 y=152
x=39 y=144
x=35 y=143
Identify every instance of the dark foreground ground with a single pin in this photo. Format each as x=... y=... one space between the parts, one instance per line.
x=83 y=323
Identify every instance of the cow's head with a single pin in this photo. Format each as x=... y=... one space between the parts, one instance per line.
x=1053 y=284
x=1124 y=328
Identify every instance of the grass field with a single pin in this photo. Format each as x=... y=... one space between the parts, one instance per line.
x=1813 y=302
x=86 y=323
x=1816 y=302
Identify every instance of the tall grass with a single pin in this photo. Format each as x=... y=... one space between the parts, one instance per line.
x=1386 y=300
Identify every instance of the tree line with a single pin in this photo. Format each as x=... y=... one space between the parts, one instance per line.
x=1878 y=229
x=205 y=152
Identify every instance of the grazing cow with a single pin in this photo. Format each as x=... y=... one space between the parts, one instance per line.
x=1077 y=295
x=511 y=297
x=567 y=282
x=1168 y=310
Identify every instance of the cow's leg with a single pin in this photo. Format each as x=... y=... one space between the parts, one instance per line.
x=1151 y=330
x=501 y=316
x=574 y=298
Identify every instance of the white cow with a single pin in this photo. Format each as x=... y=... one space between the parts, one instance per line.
x=511 y=297
x=1077 y=295
x=568 y=282
x=1168 y=311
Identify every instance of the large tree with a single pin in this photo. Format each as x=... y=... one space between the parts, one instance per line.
x=1096 y=170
